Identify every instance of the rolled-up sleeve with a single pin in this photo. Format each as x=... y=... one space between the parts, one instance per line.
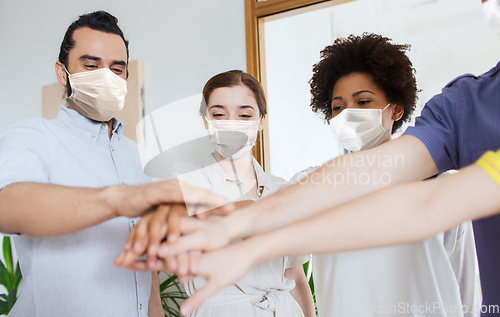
x=22 y=151
x=437 y=128
x=293 y=261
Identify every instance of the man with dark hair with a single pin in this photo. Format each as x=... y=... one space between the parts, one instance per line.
x=62 y=187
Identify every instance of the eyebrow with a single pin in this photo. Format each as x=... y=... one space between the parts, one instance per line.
x=247 y=107
x=241 y=107
x=98 y=59
x=217 y=106
x=354 y=94
x=86 y=56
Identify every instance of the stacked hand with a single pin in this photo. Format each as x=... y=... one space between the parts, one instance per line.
x=174 y=242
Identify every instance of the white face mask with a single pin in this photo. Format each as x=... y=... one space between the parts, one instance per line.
x=98 y=95
x=491 y=12
x=359 y=129
x=233 y=139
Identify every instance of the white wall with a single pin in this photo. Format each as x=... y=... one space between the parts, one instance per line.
x=182 y=44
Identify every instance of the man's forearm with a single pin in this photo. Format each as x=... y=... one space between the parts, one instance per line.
x=402 y=214
x=343 y=179
x=47 y=210
x=155 y=306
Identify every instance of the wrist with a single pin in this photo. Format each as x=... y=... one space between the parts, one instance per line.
x=237 y=225
x=110 y=196
x=255 y=249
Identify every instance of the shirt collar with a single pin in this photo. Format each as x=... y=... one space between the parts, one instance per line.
x=263 y=179
x=217 y=176
x=215 y=173
x=84 y=125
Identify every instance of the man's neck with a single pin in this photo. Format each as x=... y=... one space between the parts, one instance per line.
x=110 y=128
x=109 y=123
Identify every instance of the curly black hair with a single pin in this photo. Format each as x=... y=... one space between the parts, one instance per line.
x=370 y=54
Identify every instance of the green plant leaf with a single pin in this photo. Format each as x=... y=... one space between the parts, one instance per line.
x=17 y=276
x=3 y=271
x=6 y=279
x=172 y=298
x=305 y=266
x=7 y=254
x=11 y=298
x=3 y=308
x=167 y=282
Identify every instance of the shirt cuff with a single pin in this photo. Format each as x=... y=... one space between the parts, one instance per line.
x=490 y=162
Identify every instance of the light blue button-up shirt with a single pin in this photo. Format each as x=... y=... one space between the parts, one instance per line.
x=74 y=275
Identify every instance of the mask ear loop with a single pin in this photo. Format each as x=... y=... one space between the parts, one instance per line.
x=386 y=106
x=67 y=79
x=65 y=70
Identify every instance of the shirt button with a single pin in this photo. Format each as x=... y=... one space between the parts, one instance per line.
x=93 y=136
x=103 y=125
x=140 y=306
x=133 y=223
x=112 y=149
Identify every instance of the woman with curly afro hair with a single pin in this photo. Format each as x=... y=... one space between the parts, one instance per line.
x=365 y=87
x=364 y=72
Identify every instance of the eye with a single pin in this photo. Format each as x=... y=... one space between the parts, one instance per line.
x=116 y=70
x=246 y=116
x=337 y=108
x=217 y=115
x=90 y=66
x=364 y=102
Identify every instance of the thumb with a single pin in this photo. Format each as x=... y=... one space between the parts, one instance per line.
x=190 y=224
x=198 y=298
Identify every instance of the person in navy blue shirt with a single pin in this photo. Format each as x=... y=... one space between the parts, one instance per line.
x=457 y=127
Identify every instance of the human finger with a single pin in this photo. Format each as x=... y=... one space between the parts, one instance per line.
x=137 y=242
x=142 y=265
x=194 y=260
x=174 y=222
x=157 y=231
x=199 y=297
x=203 y=214
x=171 y=263
x=204 y=197
x=183 y=264
x=126 y=249
x=193 y=241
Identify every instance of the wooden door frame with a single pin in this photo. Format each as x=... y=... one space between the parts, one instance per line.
x=255 y=10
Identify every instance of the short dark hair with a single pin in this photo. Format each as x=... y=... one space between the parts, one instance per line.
x=233 y=78
x=371 y=54
x=99 y=21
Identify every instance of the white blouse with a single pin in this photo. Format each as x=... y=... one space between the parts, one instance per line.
x=264 y=290
x=436 y=277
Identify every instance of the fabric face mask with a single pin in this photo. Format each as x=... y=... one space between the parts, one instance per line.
x=359 y=129
x=98 y=95
x=233 y=139
x=491 y=12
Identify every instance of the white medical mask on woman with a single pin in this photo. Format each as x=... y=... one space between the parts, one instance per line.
x=359 y=129
x=98 y=94
x=491 y=12
x=233 y=139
